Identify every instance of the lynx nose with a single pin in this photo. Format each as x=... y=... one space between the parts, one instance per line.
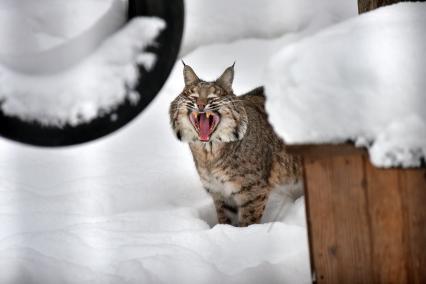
x=201 y=105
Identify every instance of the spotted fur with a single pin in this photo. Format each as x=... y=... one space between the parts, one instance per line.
x=244 y=159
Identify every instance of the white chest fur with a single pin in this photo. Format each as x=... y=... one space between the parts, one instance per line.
x=215 y=184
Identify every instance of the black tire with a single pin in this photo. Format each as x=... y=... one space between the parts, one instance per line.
x=149 y=85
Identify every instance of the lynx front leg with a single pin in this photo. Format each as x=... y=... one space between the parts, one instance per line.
x=220 y=205
x=251 y=210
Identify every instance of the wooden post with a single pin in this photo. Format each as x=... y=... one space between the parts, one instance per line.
x=366 y=225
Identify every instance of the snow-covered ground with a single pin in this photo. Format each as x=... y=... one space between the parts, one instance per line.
x=129 y=208
x=363 y=80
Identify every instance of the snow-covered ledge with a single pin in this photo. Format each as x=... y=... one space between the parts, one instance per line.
x=363 y=80
x=97 y=84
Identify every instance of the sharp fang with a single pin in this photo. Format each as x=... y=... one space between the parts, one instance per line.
x=194 y=114
x=208 y=114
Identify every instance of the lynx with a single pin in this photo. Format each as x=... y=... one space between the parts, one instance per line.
x=238 y=156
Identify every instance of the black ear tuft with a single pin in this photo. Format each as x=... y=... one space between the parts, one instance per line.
x=226 y=79
x=179 y=135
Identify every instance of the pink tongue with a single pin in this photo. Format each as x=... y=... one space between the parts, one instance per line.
x=204 y=132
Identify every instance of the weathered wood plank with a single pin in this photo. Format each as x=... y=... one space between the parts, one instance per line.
x=339 y=222
x=351 y=217
x=366 y=225
x=413 y=188
x=387 y=225
x=319 y=202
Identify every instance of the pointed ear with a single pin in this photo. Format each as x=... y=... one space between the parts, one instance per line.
x=226 y=79
x=189 y=75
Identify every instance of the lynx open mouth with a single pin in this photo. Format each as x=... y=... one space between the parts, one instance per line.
x=204 y=123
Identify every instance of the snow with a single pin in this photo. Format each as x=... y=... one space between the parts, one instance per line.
x=31 y=26
x=231 y=20
x=361 y=80
x=48 y=36
x=118 y=249
x=52 y=70
x=97 y=84
x=129 y=208
x=402 y=143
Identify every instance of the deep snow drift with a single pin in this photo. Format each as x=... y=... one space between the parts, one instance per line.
x=363 y=80
x=129 y=207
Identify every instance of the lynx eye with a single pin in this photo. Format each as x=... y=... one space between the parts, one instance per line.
x=212 y=96
x=194 y=95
